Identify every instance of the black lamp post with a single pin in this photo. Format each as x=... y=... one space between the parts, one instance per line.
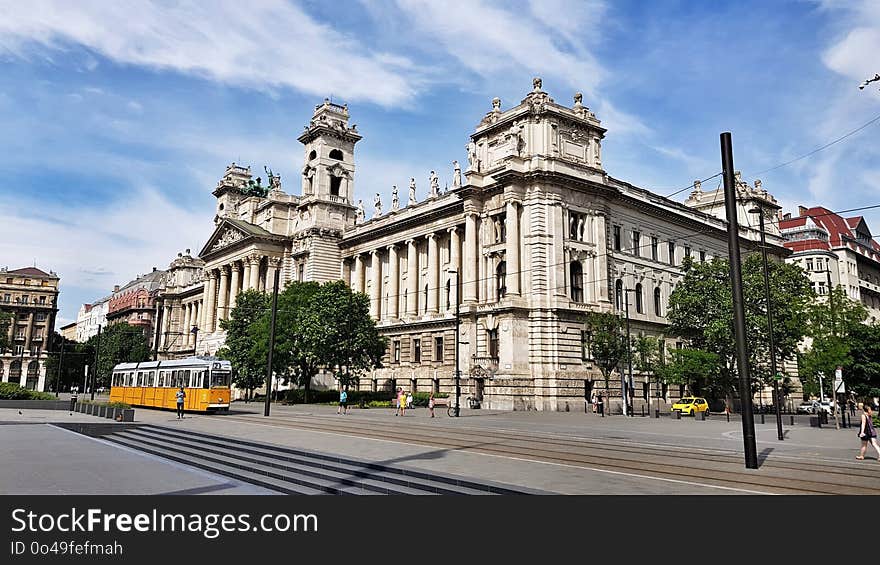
x=457 y=408
x=776 y=400
x=627 y=388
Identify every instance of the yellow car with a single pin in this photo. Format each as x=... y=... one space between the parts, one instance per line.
x=690 y=405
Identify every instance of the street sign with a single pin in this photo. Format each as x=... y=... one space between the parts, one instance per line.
x=778 y=376
x=838 y=381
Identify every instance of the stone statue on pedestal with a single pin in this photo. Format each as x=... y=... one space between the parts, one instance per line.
x=435 y=184
x=472 y=157
x=377 y=204
x=412 y=191
x=360 y=213
x=395 y=201
x=456 y=174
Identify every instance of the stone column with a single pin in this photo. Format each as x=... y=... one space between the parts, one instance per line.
x=264 y=280
x=187 y=325
x=28 y=332
x=255 y=271
x=234 y=284
x=223 y=295
x=394 y=282
x=513 y=268
x=376 y=287
x=272 y=266
x=455 y=262
x=246 y=274
x=589 y=295
x=471 y=246
x=566 y=272
x=433 y=273
x=412 y=278
x=600 y=271
x=211 y=303
x=492 y=278
x=358 y=284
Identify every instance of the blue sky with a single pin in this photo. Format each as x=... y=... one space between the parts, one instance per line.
x=119 y=118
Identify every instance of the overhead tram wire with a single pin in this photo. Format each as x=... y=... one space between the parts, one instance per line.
x=690 y=186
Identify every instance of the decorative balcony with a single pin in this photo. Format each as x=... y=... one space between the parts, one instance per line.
x=483 y=366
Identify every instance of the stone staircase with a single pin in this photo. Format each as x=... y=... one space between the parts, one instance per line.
x=293 y=471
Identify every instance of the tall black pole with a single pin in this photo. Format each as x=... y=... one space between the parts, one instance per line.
x=626 y=393
x=60 y=367
x=95 y=372
x=777 y=401
x=457 y=338
x=739 y=314
x=271 y=342
x=834 y=333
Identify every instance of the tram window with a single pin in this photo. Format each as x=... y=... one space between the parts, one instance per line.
x=140 y=378
x=151 y=379
x=161 y=378
x=219 y=378
x=186 y=376
x=197 y=379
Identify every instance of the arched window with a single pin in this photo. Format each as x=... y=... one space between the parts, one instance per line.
x=335 y=183
x=15 y=371
x=618 y=294
x=640 y=301
x=336 y=154
x=33 y=375
x=501 y=277
x=313 y=154
x=576 y=273
x=657 y=309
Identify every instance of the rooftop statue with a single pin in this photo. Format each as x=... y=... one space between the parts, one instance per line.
x=412 y=191
x=435 y=184
x=395 y=200
x=456 y=174
x=377 y=204
x=359 y=219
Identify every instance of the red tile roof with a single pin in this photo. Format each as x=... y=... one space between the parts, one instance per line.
x=30 y=271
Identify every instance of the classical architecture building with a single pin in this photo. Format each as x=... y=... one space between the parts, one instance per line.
x=532 y=234
x=90 y=317
x=834 y=250
x=135 y=303
x=31 y=296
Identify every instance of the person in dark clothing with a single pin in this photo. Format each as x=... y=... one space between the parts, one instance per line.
x=181 y=396
x=867 y=433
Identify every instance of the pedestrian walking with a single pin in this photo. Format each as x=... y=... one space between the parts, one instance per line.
x=397 y=402
x=600 y=405
x=852 y=408
x=343 y=403
x=401 y=402
x=73 y=399
x=431 y=405
x=409 y=400
x=593 y=401
x=867 y=433
x=181 y=396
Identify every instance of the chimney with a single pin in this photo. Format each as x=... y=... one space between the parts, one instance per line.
x=802 y=211
x=115 y=288
x=154 y=269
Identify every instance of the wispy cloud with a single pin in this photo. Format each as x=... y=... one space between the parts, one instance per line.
x=260 y=45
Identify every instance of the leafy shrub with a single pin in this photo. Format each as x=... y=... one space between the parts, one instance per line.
x=13 y=391
x=122 y=405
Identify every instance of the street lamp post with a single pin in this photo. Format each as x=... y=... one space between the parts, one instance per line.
x=457 y=408
x=95 y=372
x=627 y=389
x=776 y=400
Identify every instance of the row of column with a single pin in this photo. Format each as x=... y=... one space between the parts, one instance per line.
x=467 y=267
x=188 y=317
x=225 y=282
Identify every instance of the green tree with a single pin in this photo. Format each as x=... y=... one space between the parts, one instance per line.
x=349 y=342
x=607 y=343
x=834 y=323
x=76 y=357
x=119 y=343
x=696 y=369
x=298 y=354
x=701 y=312
x=246 y=340
x=862 y=374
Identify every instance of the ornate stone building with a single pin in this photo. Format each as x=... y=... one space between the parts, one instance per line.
x=535 y=235
x=90 y=317
x=135 y=303
x=31 y=296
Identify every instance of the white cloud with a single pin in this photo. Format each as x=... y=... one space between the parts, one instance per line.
x=262 y=45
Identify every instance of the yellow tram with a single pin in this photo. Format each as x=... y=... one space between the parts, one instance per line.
x=155 y=383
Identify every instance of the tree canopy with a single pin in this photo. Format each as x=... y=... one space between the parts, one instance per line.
x=120 y=343
x=607 y=342
x=243 y=339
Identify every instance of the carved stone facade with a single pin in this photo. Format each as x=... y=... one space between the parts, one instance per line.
x=535 y=236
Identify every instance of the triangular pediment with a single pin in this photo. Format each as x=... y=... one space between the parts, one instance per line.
x=231 y=232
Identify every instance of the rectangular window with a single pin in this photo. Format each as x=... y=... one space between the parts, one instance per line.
x=637 y=243
x=809 y=264
x=396 y=350
x=672 y=253
x=417 y=350
x=19 y=349
x=655 y=243
x=493 y=343
x=702 y=256
x=438 y=349
x=7 y=298
x=687 y=251
x=42 y=300
x=40 y=317
x=24 y=299
x=617 y=238
x=586 y=338
x=302 y=272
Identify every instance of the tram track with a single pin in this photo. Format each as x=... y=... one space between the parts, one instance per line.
x=711 y=467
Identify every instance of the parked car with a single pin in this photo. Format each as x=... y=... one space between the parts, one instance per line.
x=690 y=405
x=807 y=407
x=816 y=406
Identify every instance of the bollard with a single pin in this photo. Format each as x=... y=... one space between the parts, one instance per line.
x=792 y=420
x=762 y=417
x=643 y=410
x=677 y=414
x=728 y=416
x=656 y=412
